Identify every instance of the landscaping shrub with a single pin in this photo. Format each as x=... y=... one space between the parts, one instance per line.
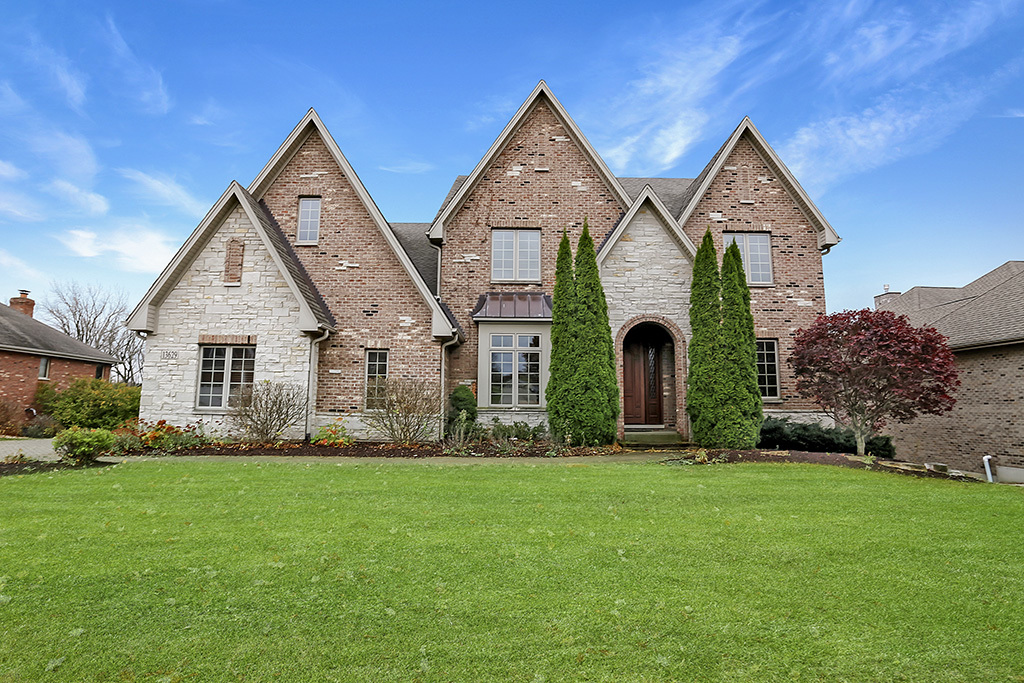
x=83 y=445
x=264 y=410
x=517 y=430
x=460 y=400
x=9 y=419
x=333 y=435
x=801 y=436
x=407 y=411
x=41 y=427
x=46 y=395
x=93 y=403
x=138 y=435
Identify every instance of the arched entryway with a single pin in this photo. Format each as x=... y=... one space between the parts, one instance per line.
x=652 y=375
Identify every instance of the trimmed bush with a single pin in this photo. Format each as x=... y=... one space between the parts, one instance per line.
x=83 y=445
x=803 y=436
x=460 y=400
x=94 y=404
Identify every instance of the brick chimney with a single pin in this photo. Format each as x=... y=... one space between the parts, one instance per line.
x=882 y=299
x=22 y=304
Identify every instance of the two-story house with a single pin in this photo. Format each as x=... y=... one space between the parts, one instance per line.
x=299 y=278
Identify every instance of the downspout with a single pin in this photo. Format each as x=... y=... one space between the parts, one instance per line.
x=988 y=468
x=444 y=349
x=314 y=358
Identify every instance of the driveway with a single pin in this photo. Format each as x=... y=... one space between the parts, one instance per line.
x=36 y=449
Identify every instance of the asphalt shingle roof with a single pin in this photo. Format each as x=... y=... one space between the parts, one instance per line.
x=413 y=238
x=23 y=334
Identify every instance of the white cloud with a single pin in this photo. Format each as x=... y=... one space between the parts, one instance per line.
x=898 y=125
x=9 y=171
x=136 y=249
x=210 y=114
x=67 y=78
x=148 y=83
x=11 y=263
x=164 y=190
x=18 y=206
x=72 y=155
x=408 y=167
x=10 y=101
x=1012 y=114
x=91 y=202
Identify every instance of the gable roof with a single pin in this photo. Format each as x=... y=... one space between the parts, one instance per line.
x=309 y=123
x=424 y=255
x=22 y=333
x=540 y=93
x=827 y=236
x=647 y=197
x=672 y=191
x=986 y=312
x=313 y=312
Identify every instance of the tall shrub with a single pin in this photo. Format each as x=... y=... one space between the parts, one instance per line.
x=740 y=413
x=563 y=342
x=703 y=389
x=595 y=373
x=95 y=403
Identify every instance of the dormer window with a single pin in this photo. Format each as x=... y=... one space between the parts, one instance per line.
x=515 y=255
x=309 y=220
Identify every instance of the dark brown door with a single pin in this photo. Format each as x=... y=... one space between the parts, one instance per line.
x=641 y=383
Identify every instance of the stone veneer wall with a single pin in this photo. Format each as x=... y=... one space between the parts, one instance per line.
x=988 y=418
x=646 y=278
x=201 y=304
x=372 y=297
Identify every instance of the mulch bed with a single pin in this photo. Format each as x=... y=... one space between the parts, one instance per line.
x=523 y=449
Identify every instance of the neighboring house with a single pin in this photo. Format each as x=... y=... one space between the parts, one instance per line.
x=32 y=353
x=299 y=278
x=984 y=322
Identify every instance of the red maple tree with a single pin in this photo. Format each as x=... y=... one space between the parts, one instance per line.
x=866 y=367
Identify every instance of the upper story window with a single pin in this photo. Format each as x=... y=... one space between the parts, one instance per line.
x=515 y=255
x=756 y=250
x=309 y=220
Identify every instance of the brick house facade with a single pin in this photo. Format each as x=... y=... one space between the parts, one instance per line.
x=984 y=323
x=465 y=299
x=32 y=353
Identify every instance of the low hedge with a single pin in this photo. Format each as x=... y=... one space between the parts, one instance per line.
x=800 y=436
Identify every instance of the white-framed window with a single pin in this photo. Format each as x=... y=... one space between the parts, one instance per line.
x=768 y=368
x=756 y=250
x=44 y=368
x=309 y=220
x=516 y=368
x=515 y=255
x=223 y=372
x=376 y=374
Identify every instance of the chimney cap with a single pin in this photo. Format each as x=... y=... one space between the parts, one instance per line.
x=23 y=293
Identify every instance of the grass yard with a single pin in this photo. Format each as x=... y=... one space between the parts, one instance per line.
x=403 y=571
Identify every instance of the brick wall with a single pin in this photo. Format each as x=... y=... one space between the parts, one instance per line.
x=797 y=296
x=986 y=420
x=372 y=297
x=19 y=376
x=514 y=194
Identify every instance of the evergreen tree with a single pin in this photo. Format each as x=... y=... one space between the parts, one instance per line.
x=563 y=347
x=740 y=414
x=595 y=373
x=704 y=382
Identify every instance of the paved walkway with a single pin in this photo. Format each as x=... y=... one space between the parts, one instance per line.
x=37 y=449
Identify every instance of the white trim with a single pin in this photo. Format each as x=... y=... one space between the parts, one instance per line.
x=827 y=236
x=144 y=317
x=440 y=325
x=484 y=350
x=648 y=195
x=541 y=90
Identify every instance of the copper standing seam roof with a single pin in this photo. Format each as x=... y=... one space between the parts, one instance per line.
x=513 y=306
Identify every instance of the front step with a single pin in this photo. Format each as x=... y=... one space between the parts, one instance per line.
x=654 y=438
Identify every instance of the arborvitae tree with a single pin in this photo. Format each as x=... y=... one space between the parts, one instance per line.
x=595 y=373
x=703 y=389
x=740 y=414
x=563 y=343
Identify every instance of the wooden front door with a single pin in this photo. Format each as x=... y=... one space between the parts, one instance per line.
x=641 y=383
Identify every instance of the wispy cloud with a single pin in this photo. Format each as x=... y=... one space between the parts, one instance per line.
x=1011 y=114
x=18 y=206
x=91 y=202
x=10 y=101
x=408 y=167
x=211 y=113
x=12 y=263
x=491 y=111
x=137 y=249
x=163 y=189
x=9 y=171
x=147 y=82
x=62 y=71
x=71 y=155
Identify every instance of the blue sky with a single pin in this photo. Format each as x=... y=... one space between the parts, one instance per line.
x=121 y=123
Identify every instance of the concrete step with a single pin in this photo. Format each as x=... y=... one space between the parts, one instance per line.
x=657 y=438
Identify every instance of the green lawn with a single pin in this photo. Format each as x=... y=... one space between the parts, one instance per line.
x=379 y=571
